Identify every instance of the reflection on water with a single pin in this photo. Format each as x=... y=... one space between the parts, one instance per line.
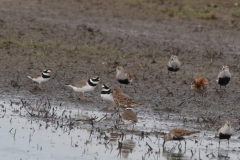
x=170 y=155
x=71 y=135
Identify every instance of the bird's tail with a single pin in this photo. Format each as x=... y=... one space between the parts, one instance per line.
x=29 y=77
x=69 y=85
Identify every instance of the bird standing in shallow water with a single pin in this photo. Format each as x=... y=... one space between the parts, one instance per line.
x=174 y=64
x=122 y=76
x=123 y=100
x=225 y=132
x=200 y=85
x=224 y=76
x=107 y=96
x=129 y=117
x=86 y=85
x=178 y=134
x=41 y=77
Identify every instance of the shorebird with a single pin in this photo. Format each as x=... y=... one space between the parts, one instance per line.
x=174 y=64
x=107 y=96
x=122 y=100
x=225 y=132
x=178 y=134
x=224 y=76
x=129 y=117
x=86 y=85
x=122 y=76
x=41 y=77
x=199 y=85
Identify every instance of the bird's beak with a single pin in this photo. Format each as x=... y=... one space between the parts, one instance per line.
x=113 y=71
x=102 y=87
x=99 y=81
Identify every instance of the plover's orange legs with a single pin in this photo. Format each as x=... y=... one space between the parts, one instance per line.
x=107 y=106
x=85 y=97
x=112 y=107
x=133 y=128
x=80 y=95
x=126 y=126
x=41 y=88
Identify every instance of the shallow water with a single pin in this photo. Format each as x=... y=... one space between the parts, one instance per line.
x=26 y=137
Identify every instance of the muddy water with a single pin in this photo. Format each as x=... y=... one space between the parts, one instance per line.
x=70 y=135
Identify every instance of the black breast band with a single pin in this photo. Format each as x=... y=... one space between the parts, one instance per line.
x=44 y=76
x=91 y=84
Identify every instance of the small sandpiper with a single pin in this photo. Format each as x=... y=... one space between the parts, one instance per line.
x=225 y=132
x=224 y=76
x=174 y=64
x=86 y=85
x=129 y=117
x=122 y=76
x=41 y=77
x=178 y=134
x=200 y=85
x=123 y=100
x=107 y=96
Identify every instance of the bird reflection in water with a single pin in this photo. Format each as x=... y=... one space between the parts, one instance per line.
x=170 y=154
x=125 y=144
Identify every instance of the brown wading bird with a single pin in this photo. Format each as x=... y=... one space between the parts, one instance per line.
x=178 y=134
x=225 y=132
x=129 y=117
x=41 y=77
x=123 y=100
x=224 y=76
x=86 y=85
x=174 y=64
x=199 y=85
x=122 y=76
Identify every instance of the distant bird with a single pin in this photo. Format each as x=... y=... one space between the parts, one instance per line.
x=178 y=134
x=122 y=76
x=107 y=96
x=129 y=117
x=41 y=77
x=122 y=100
x=225 y=132
x=174 y=64
x=224 y=76
x=199 y=85
x=86 y=85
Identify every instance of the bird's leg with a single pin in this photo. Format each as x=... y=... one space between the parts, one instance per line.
x=179 y=145
x=112 y=107
x=80 y=96
x=126 y=126
x=133 y=128
x=185 y=144
x=41 y=88
x=107 y=106
x=219 y=144
x=85 y=97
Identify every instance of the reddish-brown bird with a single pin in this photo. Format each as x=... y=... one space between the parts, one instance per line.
x=199 y=85
x=123 y=100
x=178 y=134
